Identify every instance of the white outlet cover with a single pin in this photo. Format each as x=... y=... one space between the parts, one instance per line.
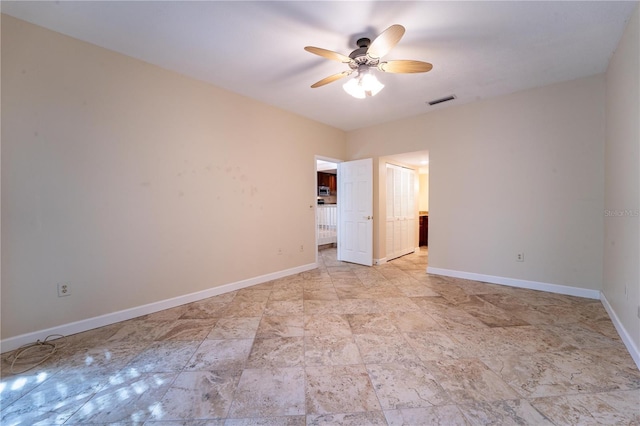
x=64 y=289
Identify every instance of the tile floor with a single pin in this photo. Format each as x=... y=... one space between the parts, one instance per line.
x=342 y=344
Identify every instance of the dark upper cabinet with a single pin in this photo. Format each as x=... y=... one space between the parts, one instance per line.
x=328 y=179
x=333 y=183
x=322 y=181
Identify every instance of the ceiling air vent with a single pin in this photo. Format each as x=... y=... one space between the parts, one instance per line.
x=441 y=100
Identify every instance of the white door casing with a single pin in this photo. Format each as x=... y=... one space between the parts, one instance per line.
x=355 y=211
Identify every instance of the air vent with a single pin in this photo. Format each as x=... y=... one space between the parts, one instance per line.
x=441 y=100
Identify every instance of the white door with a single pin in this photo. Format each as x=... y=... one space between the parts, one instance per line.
x=355 y=211
x=400 y=211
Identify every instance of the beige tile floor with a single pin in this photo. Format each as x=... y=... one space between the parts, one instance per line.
x=343 y=344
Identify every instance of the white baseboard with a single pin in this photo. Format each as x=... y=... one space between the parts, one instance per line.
x=513 y=282
x=12 y=343
x=624 y=335
x=552 y=288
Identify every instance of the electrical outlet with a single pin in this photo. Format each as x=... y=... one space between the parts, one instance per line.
x=301 y=248
x=279 y=251
x=64 y=289
x=519 y=257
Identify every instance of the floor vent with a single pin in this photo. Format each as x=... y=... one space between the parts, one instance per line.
x=441 y=100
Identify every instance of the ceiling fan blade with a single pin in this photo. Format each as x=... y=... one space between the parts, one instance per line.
x=385 y=41
x=404 y=66
x=329 y=54
x=331 y=79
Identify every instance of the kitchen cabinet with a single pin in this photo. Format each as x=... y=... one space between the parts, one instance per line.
x=333 y=183
x=328 y=179
x=323 y=179
x=424 y=230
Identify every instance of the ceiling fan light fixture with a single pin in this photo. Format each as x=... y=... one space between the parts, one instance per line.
x=367 y=57
x=363 y=85
x=353 y=88
x=370 y=84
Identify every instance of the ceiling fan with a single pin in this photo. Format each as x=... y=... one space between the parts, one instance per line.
x=365 y=58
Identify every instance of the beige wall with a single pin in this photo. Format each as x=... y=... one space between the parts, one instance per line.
x=423 y=198
x=519 y=173
x=622 y=181
x=136 y=184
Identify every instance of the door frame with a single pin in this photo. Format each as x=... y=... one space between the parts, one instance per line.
x=380 y=231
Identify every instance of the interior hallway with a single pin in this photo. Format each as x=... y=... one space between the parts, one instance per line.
x=342 y=344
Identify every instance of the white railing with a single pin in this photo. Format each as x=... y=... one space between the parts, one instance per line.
x=327 y=220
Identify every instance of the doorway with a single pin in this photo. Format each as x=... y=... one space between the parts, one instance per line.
x=401 y=211
x=403 y=221
x=350 y=219
x=326 y=196
x=418 y=161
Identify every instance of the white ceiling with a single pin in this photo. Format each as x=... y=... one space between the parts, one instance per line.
x=479 y=49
